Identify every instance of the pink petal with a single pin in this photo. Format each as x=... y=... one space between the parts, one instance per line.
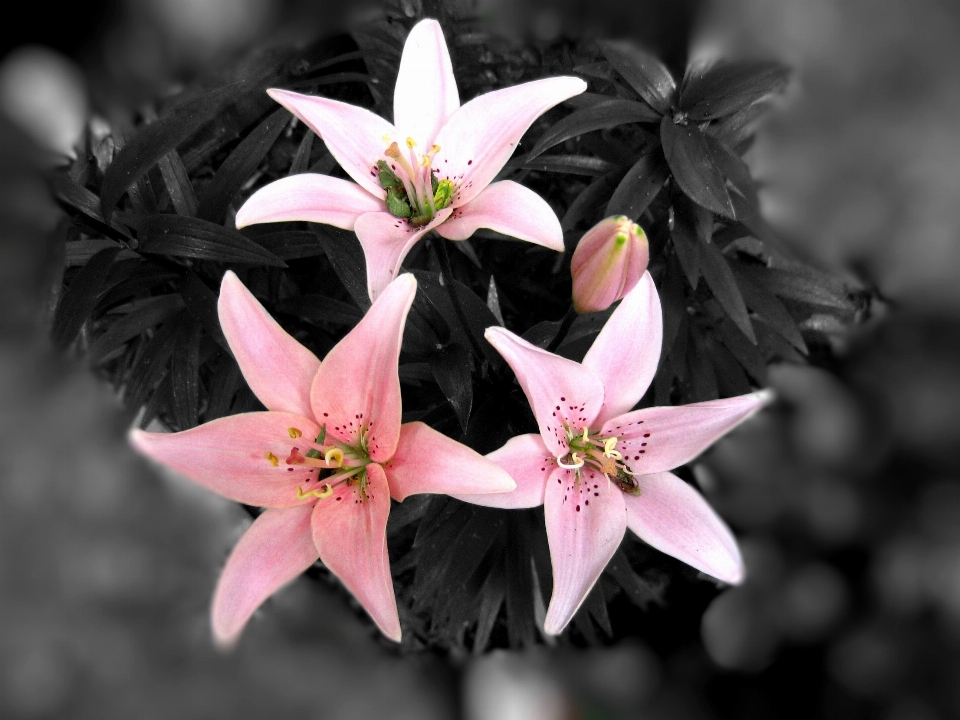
x=626 y=352
x=560 y=391
x=661 y=438
x=529 y=463
x=353 y=135
x=585 y=521
x=311 y=197
x=277 y=368
x=608 y=263
x=386 y=240
x=426 y=92
x=510 y=209
x=231 y=456
x=481 y=136
x=427 y=461
x=674 y=518
x=277 y=548
x=357 y=385
x=350 y=531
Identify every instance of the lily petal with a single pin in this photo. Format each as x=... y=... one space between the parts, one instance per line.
x=529 y=463
x=277 y=548
x=481 y=136
x=427 y=461
x=426 y=93
x=357 y=386
x=561 y=392
x=626 y=352
x=353 y=135
x=232 y=456
x=311 y=197
x=277 y=368
x=585 y=521
x=661 y=438
x=386 y=240
x=674 y=518
x=350 y=532
x=508 y=208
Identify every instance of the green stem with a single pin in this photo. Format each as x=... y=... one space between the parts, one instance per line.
x=563 y=329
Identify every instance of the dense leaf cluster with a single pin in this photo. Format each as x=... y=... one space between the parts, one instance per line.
x=152 y=233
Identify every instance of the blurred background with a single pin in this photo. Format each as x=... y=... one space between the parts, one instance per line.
x=846 y=494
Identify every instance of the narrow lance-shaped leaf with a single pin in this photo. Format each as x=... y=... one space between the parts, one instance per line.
x=345 y=254
x=185 y=378
x=608 y=114
x=195 y=238
x=80 y=298
x=723 y=285
x=143 y=150
x=240 y=165
x=727 y=88
x=693 y=168
x=451 y=369
x=145 y=316
x=639 y=186
x=177 y=182
x=766 y=305
x=645 y=74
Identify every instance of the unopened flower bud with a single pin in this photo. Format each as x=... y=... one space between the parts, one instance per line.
x=608 y=263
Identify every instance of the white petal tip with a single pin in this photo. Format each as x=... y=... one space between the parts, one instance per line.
x=225 y=641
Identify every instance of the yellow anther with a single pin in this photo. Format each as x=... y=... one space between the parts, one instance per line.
x=608 y=448
x=577 y=462
x=434 y=149
x=294 y=433
x=387 y=137
x=274 y=460
x=410 y=143
x=334 y=456
x=324 y=491
x=586 y=437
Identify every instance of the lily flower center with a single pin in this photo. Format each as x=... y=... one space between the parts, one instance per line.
x=600 y=454
x=413 y=190
x=333 y=462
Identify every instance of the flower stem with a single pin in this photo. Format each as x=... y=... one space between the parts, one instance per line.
x=563 y=329
x=440 y=246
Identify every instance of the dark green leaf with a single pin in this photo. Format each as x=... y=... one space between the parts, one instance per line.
x=79 y=252
x=321 y=309
x=748 y=355
x=573 y=164
x=727 y=88
x=144 y=278
x=77 y=198
x=301 y=160
x=737 y=174
x=239 y=166
x=151 y=365
x=185 y=377
x=640 y=591
x=693 y=168
x=202 y=306
x=144 y=316
x=227 y=380
x=345 y=254
x=639 y=186
x=686 y=240
x=734 y=130
x=520 y=627
x=645 y=73
x=491 y=600
x=289 y=244
x=766 y=305
x=802 y=284
x=152 y=142
x=452 y=371
x=78 y=301
x=716 y=271
x=589 y=200
x=195 y=238
x=178 y=184
x=731 y=378
x=703 y=378
x=674 y=303
x=607 y=114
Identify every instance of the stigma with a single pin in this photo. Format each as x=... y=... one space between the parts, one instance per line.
x=600 y=454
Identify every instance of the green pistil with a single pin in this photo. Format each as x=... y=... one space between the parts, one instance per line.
x=399 y=203
x=443 y=194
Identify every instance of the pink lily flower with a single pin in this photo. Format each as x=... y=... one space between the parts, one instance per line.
x=599 y=468
x=608 y=263
x=430 y=170
x=324 y=459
